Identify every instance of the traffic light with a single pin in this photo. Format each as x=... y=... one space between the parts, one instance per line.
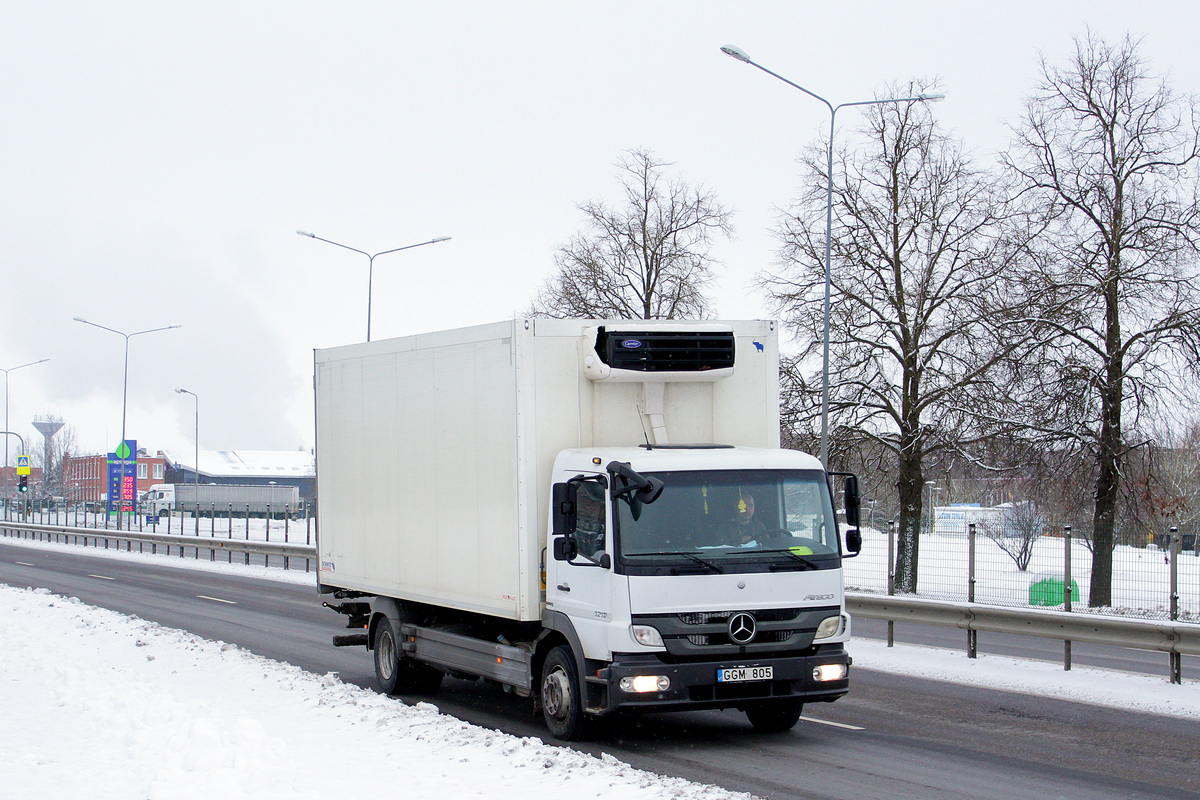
x=23 y=483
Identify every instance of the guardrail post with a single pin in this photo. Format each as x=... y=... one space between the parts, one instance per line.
x=1176 y=659
x=972 y=634
x=1066 y=590
x=891 y=577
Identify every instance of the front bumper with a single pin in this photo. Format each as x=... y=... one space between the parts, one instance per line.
x=694 y=684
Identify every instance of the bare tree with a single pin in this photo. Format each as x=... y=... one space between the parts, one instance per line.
x=1165 y=477
x=644 y=259
x=1016 y=531
x=1111 y=151
x=922 y=314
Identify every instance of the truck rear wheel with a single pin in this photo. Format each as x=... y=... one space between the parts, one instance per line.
x=561 y=698
x=775 y=718
x=395 y=672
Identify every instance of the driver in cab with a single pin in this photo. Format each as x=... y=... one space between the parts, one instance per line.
x=749 y=530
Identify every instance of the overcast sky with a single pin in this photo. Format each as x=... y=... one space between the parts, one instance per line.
x=157 y=158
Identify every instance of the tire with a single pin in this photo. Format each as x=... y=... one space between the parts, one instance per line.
x=396 y=673
x=561 y=699
x=775 y=718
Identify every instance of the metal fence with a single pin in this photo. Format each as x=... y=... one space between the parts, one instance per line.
x=1157 y=579
x=286 y=542
x=285 y=524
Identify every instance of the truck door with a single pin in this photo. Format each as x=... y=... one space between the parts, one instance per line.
x=581 y=587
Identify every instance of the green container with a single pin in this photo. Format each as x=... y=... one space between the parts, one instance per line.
x=1049 y=592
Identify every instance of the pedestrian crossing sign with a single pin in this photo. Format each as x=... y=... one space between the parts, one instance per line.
x=23 y=465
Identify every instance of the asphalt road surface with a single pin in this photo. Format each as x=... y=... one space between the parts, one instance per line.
x=892 y=737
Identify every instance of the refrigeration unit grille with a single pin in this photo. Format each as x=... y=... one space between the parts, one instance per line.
x=666 y=351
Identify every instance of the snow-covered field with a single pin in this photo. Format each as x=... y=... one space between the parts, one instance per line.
x=102 y=705
x=1141 y=575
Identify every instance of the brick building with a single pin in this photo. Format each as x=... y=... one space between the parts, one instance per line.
x=85 y=478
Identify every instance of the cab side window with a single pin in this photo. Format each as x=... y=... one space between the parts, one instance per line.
x=590 y=526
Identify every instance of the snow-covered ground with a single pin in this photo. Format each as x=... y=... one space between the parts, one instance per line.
x=102 y=705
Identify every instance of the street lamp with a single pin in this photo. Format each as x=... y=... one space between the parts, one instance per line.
x=740 y=55
x=371 y=262
x=125 y=388
x=6 y=371
x=197 y=399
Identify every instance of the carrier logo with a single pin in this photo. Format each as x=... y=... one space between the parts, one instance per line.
x=742 y=627
x=631 y=344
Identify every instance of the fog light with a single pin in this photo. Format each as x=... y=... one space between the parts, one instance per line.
x=644 y=634
x=830 y=626
x=829 y=672
x=646 y=683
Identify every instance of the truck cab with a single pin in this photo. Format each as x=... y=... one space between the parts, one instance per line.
x=699 y=576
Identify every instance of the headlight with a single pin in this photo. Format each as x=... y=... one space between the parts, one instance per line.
x=646 y=683
x=646 y=635
x=829 y=672
x=830 y=626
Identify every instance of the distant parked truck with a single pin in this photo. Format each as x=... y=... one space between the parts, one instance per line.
x=208 y=499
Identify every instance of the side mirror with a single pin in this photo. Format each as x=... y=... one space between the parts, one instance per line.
x=564 y=497
x=852 y=501
x=565 y=548
x=650 y=492
x=853 y=542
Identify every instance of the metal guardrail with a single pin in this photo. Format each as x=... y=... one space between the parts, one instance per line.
x=1174 y=638
x=183 y=542
x=1136 y=634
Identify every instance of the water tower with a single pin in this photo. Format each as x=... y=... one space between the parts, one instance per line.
x=47 y=428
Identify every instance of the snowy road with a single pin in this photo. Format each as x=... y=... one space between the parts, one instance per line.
x=893 y=736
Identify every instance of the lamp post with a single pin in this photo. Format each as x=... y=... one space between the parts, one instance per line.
x=196 y=397
x=6 y=371
x=740 y=55
x=371 y=262
x=125 y=387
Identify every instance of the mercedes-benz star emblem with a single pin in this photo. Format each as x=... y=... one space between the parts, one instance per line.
x=742 y=627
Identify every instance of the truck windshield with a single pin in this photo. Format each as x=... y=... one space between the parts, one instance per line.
x=713 y=516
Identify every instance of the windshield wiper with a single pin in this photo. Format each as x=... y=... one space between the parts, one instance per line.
x=802 y=563
x=708 y=565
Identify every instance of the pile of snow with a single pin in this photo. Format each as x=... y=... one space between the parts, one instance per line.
x=101 y=705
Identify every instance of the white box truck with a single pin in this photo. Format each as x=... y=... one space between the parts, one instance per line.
x=593 y=514
x=221 y=499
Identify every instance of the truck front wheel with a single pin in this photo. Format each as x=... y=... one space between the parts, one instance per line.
x=775 y=718
x=561 y=698
x=396 y=673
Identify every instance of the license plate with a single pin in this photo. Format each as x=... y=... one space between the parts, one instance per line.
x=745 y=674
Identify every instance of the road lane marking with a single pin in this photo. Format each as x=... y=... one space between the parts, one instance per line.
x=23 y=563
x=216 y=599
x=832 y=724
x=102 y=577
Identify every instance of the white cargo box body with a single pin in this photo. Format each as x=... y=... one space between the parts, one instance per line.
x=435 y=452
